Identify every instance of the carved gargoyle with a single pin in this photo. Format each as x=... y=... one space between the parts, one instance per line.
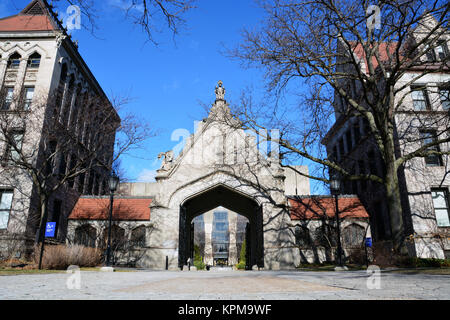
x=167 y=162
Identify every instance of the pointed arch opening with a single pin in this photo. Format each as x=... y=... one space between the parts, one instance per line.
x=234 y=201
x=14 y=61
x=34 y=61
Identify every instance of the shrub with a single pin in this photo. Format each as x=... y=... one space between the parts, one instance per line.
x=384 y=255
x=60 y=257
x=242 y=262
x=413 y=262
x=357 y=256
x=198 y=259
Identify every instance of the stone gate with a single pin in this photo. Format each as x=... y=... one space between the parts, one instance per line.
x=222 y=165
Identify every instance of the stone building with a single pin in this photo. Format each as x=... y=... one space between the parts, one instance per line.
x=424 y=181
x=43 y=74
x=132 y=226
x=219 y=235
x=225 y=178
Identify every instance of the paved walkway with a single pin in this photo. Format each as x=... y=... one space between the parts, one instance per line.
x=249 y=285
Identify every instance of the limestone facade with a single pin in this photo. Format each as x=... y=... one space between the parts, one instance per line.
x=347 y=142
x=38 y=57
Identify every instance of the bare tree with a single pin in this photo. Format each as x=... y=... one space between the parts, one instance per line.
x=350 y=69
x=51 y=148
x=153 y=16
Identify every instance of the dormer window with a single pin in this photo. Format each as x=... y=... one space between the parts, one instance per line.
x=442 y=50
x=439 y=52
x=14 y=61
x=431 y=56
x=34 y=61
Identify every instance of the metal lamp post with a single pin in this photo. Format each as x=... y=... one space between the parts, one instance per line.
x=335 y=187
x=113 y=183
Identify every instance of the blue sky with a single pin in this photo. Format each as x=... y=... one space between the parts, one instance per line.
x=169 y=82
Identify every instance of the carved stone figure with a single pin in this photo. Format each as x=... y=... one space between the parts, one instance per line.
x=167 y=162
x=220 y=91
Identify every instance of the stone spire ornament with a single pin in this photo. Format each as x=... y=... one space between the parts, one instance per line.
x=220 y=91
x=220 y=109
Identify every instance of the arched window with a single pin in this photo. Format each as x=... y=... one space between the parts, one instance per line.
x=34 y=61
x=63 y=76
x=118 y=239
x=325 y=236
x=68 y=102
x=76 y=107
x=353 y=236
x=138 y=237
x=302 y=236
x=85 y=235
x=14 y=61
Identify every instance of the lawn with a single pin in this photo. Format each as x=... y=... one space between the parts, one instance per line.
x=411 y=270
x=438 y=271
x=19 y=271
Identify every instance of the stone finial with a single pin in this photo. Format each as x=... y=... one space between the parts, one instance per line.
x=220 y=91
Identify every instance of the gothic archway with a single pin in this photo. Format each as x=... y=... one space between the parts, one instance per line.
x=233 y=200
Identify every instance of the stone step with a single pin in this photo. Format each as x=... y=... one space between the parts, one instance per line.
x=221 y=269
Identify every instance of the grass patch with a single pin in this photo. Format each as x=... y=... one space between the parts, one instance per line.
x=413 y=262
x=327 y=267
x=6 y=271
x=15 y=271
x=436 y=271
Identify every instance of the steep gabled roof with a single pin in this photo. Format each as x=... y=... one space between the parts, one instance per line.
x=34 y=17
x=35 y=7
x=26 y=23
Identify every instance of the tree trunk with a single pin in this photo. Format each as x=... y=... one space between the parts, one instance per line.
x=394 y=205
x=44 y=216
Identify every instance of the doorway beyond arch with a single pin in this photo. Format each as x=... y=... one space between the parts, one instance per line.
x=233 y=200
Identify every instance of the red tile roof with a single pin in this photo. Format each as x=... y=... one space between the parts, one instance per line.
x=315 y=207
x=123 y=209
x=383 y=49
x=26 y=23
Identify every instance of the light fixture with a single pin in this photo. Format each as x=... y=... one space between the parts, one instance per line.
x=113 y=182
x=335 y=184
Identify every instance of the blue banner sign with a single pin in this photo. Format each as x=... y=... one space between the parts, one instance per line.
x=368 y=242
x=50 y=229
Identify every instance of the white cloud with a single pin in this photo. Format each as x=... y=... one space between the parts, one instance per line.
x=146 y=175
